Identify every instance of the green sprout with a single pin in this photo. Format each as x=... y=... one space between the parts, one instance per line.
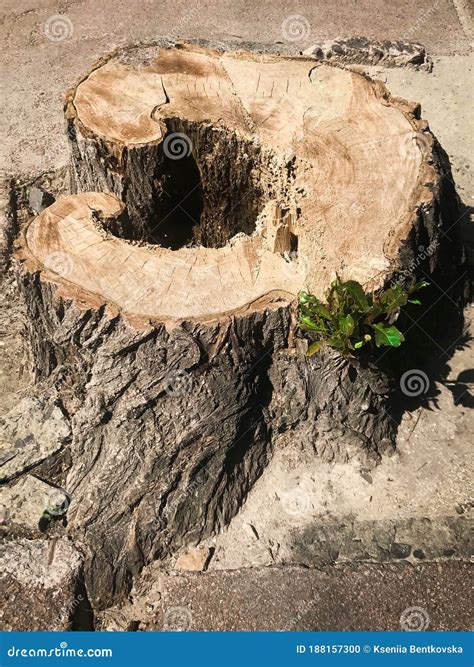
x=351 y=319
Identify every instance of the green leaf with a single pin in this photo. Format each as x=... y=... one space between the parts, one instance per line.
x=311 y=306
x=361 y=343
x=419 y=285
x=376 y=310
x=346 y=325
x=313 y=348
x=336 y=341
x=415 y=301
x=389 y=336
x=320 y=309
x=392 y=298
x=318 y=326
x=303 y=297
x=357 y=293
x=304 y=311
x=307 y=322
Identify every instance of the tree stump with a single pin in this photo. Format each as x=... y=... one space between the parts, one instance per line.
x=209 y=188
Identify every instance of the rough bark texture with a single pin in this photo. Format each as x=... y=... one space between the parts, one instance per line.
x=362 y=50
x=171 y=430
x=154 y=187
x=173 y=418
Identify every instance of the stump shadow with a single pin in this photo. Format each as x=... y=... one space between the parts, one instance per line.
x=419 y=366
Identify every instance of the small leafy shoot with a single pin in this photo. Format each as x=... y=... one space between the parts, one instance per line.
x=351 y=319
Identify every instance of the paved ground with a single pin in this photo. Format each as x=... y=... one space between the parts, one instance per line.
x=39 y=68
x=351 y=597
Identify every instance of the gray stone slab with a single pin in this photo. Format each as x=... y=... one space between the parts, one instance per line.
x=38 y=580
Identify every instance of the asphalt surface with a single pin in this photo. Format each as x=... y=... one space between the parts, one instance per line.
x=364 y=596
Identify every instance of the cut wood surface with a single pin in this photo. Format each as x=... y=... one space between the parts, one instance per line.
x=260 y=138
x=149 y=280
x=208 y=189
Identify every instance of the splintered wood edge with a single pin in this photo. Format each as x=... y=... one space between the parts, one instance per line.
x=149 y=283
